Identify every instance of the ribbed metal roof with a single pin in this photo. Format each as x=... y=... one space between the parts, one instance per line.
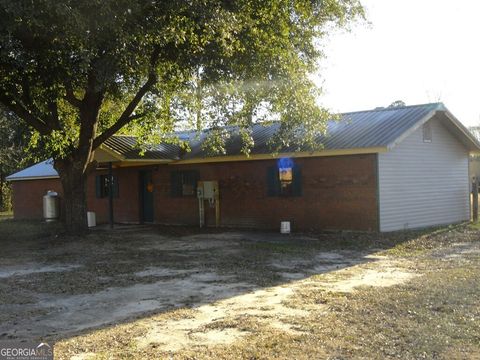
x=43 y=169
x=355 y=130
x=128 y=148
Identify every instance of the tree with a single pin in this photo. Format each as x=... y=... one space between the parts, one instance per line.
x=397 y=103
x=13 y=142
x=79 y=71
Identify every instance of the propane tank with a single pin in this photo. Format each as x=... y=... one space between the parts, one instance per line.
x=51 y=209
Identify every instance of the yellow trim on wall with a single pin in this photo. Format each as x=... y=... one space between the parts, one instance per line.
x=122 y=162
x=145 y=162
x=321 y=153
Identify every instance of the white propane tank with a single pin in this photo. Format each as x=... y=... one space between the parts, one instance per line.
x=91 y=219
x=285 y=227
x=51 y=208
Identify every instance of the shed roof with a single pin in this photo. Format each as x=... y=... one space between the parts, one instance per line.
x=367 y=131
x=42 y=170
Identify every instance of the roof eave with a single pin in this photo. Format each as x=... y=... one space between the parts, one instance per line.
x=467 y=138
x=22 y=178
x=300 y=154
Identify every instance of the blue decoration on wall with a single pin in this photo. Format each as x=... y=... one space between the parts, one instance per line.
x=285 y=163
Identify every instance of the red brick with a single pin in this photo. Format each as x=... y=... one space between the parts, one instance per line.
x=28 y=197
x=338 y=193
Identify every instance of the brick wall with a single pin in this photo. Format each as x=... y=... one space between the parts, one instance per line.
x=28 y=197
x=125 y=206
x=337 y=193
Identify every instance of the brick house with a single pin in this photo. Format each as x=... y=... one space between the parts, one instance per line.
x=379 y=170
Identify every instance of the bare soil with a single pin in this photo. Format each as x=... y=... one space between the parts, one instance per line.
x=153 y=292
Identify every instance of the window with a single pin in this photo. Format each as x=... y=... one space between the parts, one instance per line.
x=285 y=176
x=102 y=188
x=184 y=183
x=285 y=179
x=427 y=133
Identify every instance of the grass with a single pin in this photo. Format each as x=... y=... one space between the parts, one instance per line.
x=6 y=215
x=19 y=230
x=433 y=316
x=475 y=226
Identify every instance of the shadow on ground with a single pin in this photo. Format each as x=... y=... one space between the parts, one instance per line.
x=53 y=287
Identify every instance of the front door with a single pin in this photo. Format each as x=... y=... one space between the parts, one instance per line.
x=146 y=196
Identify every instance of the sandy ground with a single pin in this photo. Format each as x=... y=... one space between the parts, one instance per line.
x=98 y=282
x=270 y=305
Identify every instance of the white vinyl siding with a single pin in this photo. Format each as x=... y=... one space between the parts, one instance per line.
x=424 y=183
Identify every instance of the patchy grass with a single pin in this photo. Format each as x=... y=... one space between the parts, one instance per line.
x=6 y=215
x=433 y=315
x=19 y=230
x=475 y=226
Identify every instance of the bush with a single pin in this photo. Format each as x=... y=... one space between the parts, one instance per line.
x=5 y=197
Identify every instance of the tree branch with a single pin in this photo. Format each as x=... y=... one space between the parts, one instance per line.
x=126 y=116
x=24 y=113
x=70 y=96
x=53 y=120
x=136 y=116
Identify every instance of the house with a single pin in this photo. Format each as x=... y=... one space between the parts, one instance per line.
x=380 y=170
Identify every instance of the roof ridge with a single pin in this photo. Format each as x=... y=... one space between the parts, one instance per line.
x=438 y=104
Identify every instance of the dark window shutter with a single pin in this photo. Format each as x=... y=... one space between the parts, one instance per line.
x=195 y=179
x=273 y=182
x=175 y=183
x=297 y=181
x=98 y=186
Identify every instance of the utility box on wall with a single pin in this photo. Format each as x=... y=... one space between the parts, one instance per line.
x=208 y=191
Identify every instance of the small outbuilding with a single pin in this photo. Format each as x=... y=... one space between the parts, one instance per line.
x=379 y=170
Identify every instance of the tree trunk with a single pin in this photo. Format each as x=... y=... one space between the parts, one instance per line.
x=73 y=176
x=2 y=205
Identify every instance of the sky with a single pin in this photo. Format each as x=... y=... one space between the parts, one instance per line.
x=418 y=51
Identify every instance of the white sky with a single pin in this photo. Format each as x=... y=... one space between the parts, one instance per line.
x=418 y=51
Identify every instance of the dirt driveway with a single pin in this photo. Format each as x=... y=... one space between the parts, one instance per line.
x=61 y=288
x=55 y=288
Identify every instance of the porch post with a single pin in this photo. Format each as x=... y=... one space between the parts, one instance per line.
x=110 y=194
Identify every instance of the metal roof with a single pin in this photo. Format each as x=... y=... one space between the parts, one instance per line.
x=378 y=128
x=127 y=147
x=42 y=170
x=355 y=130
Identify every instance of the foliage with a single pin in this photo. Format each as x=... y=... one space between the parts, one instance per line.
x=397 y=103
x=5 y=197
x=204 y=63
x=80 y=71
x=13 y=141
